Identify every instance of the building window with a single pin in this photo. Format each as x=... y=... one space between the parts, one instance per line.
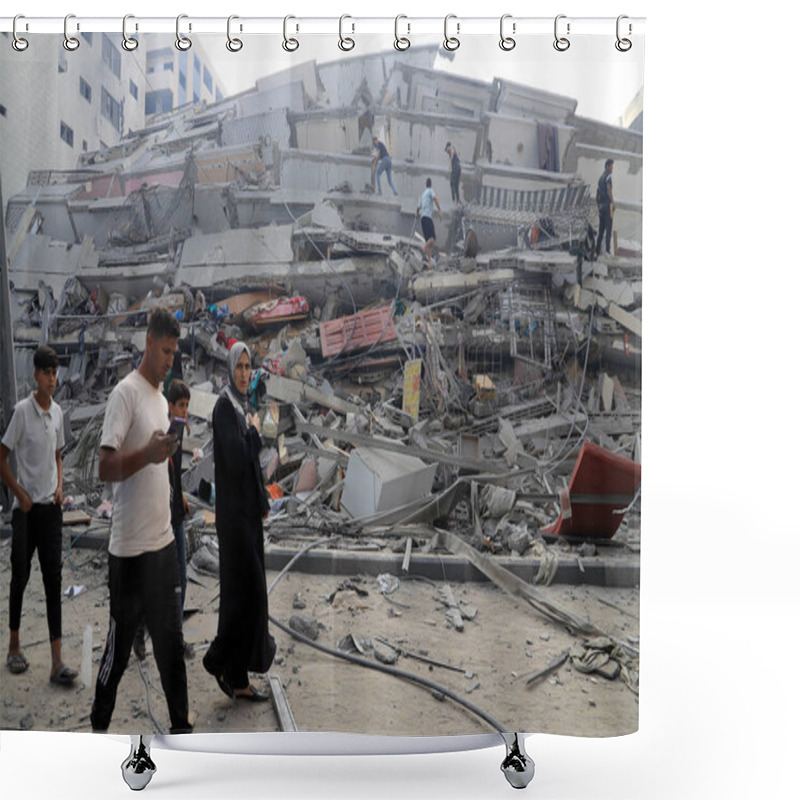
x=196 y=97
x=86 y=91
x=168 y=66
x=134 y=89
x=110 y=109
x=88 y=36
x=66 y=133
x=62 y=60
x=182 y=80
x=2 y=110
x=156 y=102
x=111 y=56
x=209 y=83
x=85 y=146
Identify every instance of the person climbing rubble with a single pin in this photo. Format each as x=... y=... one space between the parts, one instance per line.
x=382 y=162
x=425 y=214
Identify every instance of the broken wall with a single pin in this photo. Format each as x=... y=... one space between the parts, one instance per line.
x=514 y=141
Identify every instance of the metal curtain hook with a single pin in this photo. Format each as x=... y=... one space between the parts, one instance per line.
x=451 y=42
x=561 y=43
x=345 y=42
x=18 y=42
x=181 y=42
x=234 y=45
x=401 y=42
x=70 y=42
x=290 y=44
x=623 y=45
x=506 y=42
x=128 y=42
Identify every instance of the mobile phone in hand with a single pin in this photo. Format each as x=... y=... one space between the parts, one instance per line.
x=176 y=426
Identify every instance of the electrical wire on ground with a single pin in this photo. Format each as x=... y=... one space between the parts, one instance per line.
x=385 y=668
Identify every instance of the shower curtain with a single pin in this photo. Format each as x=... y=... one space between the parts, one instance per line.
x=431 y=245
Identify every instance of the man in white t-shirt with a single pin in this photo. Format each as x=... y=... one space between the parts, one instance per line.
x=35 y=436
x=144 y=582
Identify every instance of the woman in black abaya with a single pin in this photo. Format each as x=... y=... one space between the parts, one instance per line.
x=243 y=642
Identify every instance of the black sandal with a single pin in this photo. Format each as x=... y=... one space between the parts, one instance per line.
x=253 y=695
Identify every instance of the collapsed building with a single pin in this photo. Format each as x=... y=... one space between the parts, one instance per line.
x=487 y=399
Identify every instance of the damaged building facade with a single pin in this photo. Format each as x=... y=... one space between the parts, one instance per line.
x=485 y=402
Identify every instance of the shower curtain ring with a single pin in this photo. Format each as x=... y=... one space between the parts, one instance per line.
x=623 y=45
x=18 y=42
x=233 y=44
x=507 y=42
x=290 y=44
x=182 y=42
x=128 y=42
x=451 y=42
x=346 y=43
x=561 y=43
x=401 y=42
x=70 y=42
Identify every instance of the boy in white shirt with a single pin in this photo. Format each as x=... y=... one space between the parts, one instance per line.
x=36 y=436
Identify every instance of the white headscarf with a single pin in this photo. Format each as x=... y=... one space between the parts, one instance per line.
x=239 y=400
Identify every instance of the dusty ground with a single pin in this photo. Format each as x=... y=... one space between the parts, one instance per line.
x=506 y=642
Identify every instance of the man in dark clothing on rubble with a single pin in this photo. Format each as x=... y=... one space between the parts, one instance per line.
x=605 y=207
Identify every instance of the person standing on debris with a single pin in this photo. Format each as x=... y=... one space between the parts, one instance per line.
x=605 y=207
x=243 y=642
x=36 y=436
x=382 y=162
x=425 y=214
x=455 y=171
x=143 y=575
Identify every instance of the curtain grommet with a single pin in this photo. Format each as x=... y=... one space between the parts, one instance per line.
x=451 y=43
x=233 y=44
x=346 y=43
x=71 y=43
x=561 y=43
x=507 y=43
x=182 y=43
x=401 y=42
x=290 y=44
x=19 y=43
x=129 y=43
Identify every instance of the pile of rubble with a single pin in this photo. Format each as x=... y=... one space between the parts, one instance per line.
x=396 y=401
